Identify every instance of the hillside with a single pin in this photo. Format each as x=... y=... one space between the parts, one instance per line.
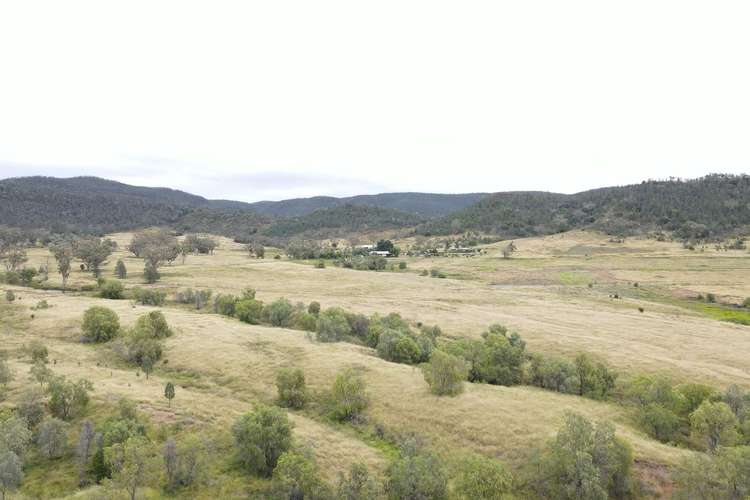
x=340 y=220
x=425 y=205
x=89 y=204
x=711 y=206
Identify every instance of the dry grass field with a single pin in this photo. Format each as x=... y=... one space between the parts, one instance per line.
x=555 y=291
x=542 y=292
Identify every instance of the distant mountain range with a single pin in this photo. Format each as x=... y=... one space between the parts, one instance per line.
x=712 y=206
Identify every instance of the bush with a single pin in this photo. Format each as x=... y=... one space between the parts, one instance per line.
x=332 y=325
x=68 y=399
x=402 y=265
x=120 y=270
x=437 y=273
x=279 y=312
x=746 y=303
x=53 y=437
x=111 y=289
x=314 y=308
x=149 y=297
x=584 y=461
x=261 y=437
x=31 y=406
x=290 y=383
x=481 y=478
x=710 y=297
x=348 y=396
x=305 y=321
x=38 y=352
x=249 y=311
x=198 y=297
x=297 y=477
x=225 y=304
x=445 y=374
x=10 y=296
x=419 y=474
x=714 y=424
x=552 y=373
x=153 y=325
x=399 y=347
x=321 y=264
x=502 y=357
x=100 y=324
x=358 y=484
x=660 y=422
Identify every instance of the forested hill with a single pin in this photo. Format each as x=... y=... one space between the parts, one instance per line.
x=88 y=204
x=712 y=206
x=425 y=205
x=340 y=221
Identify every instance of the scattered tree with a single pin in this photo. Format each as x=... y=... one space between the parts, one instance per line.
x=291 y=386
x=358 y=484
x=445 y=374
x=31 y=407
x=53 y=437
x=297 y=477
x=714 y=424
x=584 y=461
x=261 y=437
x=418 y=474
x=348 y=396
x=169 y=392
x=100 y=324
x=84 y=449
x=11 y=472
x=68 y=399
x=120 y=270
x=131 y=464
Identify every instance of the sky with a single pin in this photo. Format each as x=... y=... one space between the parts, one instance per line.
x=277 y=99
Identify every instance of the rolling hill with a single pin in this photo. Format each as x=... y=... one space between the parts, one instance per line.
x=425 y=205
x=712 y=206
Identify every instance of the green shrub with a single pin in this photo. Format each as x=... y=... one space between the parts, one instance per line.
x=154 y=325
x=481 y=478
x=111 y=289
x=225 y=304
x=100 y=324
x=10 y=296
x=399 y=347
x=279 y=312
x=714 y=424
x=358 y=484
x=746 y=303
x=445 y=374
x=290 y=383
x=249 y=311
x=418 y=474
x=584 y=461
x=660 y=422
x=348 y=396
x=710 y=297
x=120 y=270
x=38 y=352
x=402 y=265
x=260 y=438
x=149 y=297
x=296 y=476
x=314 y=308
x=553 y=373
x=305 y=321
x=332 y=325
x=321 y=264
x=68 y=399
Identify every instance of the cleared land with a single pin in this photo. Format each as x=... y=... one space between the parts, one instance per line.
x=223 y=366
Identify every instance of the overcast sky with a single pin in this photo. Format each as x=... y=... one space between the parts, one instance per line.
x=276 y=99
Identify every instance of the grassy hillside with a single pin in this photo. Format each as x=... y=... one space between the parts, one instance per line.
x=712 y=206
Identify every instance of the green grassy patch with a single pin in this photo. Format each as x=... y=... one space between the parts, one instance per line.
x=574 y=278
